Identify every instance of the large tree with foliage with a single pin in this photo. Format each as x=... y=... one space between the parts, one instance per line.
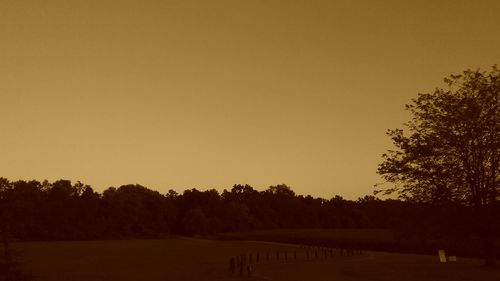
x=449 y=151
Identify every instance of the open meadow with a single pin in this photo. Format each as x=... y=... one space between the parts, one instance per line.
x=198 y=259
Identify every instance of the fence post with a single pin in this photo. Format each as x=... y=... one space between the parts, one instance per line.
x=241 y=267
x=249 y=270
x=231 y=265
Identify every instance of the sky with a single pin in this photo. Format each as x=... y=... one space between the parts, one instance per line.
x=208 y=94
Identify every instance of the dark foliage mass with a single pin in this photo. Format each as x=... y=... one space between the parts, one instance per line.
x=33 y=210
x=449 y=152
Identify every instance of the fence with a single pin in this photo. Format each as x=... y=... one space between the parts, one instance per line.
x=244 y=264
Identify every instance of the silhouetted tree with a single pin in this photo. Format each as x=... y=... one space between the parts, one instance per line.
x=134 y=210
x=452 y=151
x=282 y=199
x=5 y=218
x=24 y=201
x=12 y=210
x=90 y=221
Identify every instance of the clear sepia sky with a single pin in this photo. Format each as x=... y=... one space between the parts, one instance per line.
x=207 y=94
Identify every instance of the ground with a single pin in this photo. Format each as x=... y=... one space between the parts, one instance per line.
x=197 y=259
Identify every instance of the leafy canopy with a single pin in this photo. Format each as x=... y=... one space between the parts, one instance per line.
x=449 y=151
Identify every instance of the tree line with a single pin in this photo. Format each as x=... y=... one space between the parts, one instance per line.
x=62 y=210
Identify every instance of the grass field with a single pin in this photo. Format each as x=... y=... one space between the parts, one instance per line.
x=385 y=240
x=197 y=259
x=326 y=236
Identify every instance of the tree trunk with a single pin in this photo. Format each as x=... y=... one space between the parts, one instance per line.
x=490 y=245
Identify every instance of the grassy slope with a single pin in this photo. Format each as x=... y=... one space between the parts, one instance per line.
x=310 y=235
x=170 y=259
x=368 y=239
x=194 y=259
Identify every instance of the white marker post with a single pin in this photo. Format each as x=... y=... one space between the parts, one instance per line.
x=442 y=255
